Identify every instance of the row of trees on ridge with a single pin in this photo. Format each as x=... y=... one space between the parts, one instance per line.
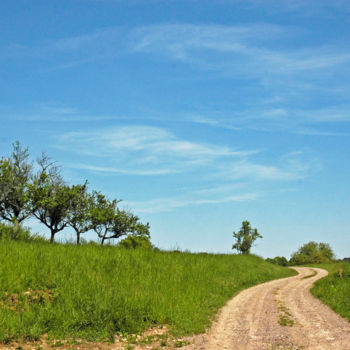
x=309 y=253
x=39 y=190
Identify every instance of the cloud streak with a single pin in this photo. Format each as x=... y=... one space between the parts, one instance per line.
x=229 y=49
x=170 y=203
x=239 y=49
x=288 y=119
x=147 y=148
x=148 y=151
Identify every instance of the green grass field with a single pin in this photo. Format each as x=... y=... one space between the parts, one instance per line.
x=333 y=290
x=92 y=292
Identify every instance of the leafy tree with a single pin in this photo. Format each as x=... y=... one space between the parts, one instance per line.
x=312 y=253
x=326 y=251
x=81 y=210
x=125 y=223
x=109 y=222
x=245 y=238
x=15 y=178
x=102 y=214
x=51 y=198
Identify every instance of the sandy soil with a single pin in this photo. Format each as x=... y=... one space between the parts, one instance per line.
x=278 y=315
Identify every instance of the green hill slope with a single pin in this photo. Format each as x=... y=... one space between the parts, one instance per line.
x=334 y=290
x=93 y=292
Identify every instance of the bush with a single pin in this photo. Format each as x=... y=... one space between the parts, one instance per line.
x=133 y=241
x=278 y=260
x=19 y=233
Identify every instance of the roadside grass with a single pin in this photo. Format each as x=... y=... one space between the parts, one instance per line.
x=311 y=275
x=92 y=293
x=334 y=290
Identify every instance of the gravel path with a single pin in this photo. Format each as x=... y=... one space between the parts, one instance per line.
x=278 y=315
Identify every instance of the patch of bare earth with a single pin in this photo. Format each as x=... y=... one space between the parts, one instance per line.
x=154 y=338
x=277 y=315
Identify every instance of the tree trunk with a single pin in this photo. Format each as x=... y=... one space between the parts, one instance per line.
x=52 y=238
x=78 y=237
x=15 y=229
x=103 y=240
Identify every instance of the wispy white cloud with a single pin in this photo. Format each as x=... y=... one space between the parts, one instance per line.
x=145 y=150
x=86 y=46
x=288 y=119
x=114 y=170
x=156 y=142
x=232 y=49
x=169 y=203
x=56 y=112
x=246 y=169
x=246 y=49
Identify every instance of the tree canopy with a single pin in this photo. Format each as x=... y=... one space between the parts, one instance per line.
x=245 y=238
x=312 y=253
x=15 y=178
x=56 y=204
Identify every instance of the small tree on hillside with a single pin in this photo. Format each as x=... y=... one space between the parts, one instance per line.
x=126 y=223
x=109 y=222
x=81 y=210
x=245 y=238
x=102 y=214
x=51 y=198
x=15 y=177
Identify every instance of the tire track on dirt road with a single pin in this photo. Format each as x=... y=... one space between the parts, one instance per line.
x=278 y=315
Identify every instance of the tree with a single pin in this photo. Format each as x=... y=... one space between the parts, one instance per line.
x=126 y=223
x=109 y=222
x=15 y=178
x=51 y=198
x=81 y=210
x=312 y=253
x=245 y=238
x=102 y=214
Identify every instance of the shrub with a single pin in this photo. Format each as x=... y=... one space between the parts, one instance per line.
x=134 y=241
x=278 y=260
x=18 y=233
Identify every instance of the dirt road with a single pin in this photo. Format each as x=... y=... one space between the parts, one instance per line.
x=278 y=315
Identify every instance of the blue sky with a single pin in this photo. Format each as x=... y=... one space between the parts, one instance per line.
x=197 y=114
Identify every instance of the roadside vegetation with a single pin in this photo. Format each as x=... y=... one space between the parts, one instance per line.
x=93 y=292
x=334 y=290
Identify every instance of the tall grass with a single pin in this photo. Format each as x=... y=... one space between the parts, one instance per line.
x=93 y=292
x=334 y=290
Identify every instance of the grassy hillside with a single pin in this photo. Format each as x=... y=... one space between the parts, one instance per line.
x=333 y=290
x=93 y=292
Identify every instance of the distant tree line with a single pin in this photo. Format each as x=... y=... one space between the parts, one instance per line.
x=309 y=253
x=39 y=191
